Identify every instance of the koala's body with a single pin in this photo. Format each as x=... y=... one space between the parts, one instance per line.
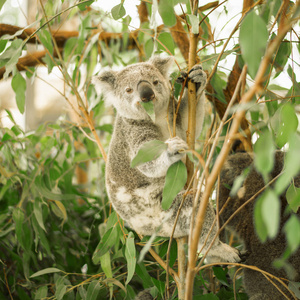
x=136 y=193
x=261 y=254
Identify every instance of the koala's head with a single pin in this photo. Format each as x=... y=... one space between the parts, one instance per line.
x=141 y=82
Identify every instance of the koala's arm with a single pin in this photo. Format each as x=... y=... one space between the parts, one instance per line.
x=198 y=76
x=158 y=167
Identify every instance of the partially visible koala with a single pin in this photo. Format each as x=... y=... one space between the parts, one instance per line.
x=136 y=193
x=261 y=254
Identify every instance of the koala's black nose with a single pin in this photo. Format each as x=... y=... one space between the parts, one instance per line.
x=145 y=91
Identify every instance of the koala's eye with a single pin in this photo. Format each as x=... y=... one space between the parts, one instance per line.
x=155 y=82
x=129 y=90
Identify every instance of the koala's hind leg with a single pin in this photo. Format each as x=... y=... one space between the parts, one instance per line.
x=219 y=252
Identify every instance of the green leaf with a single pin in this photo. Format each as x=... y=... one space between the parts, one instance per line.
x=264 y=154
x=260 y=226
x=270 y=210
x=293 y=197
x=118 y=11
x=148 y=151
x=220 y=273
x=105 y=262
x=166 y=11
x=37 y=210
x=85 y=4
x=194 y=21
x=18 y=84
x=60 y=291
x=10 y=56
x=93 y=290
x=282 y=56
x=166 y=42
x=108 y=240
x=291 y=164
x=18 y=217
x=41 y=293
x=149 y=108
x=253 y=41
x=45 y=271
x=130 y=255
x=175 y=181
x=2 y=3
x=292 y=230
x=295 y=288
x=285 y=123
x=149 y=46
x=219 y=85
x=46 y=40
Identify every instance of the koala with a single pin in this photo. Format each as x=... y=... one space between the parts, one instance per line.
x=136 y=193
x=261 y=254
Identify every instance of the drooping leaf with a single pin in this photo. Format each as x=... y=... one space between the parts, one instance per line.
x=60 y=291
x=175 y=181
x=18 y=84
x=293 y=197
x=284 y=123
x=37 y=210
x=295 y=288
x=253 y=41
x=18 y=217
x=166 y=42
x=108 y=240
x=166 y=11
x=130 y=255
x=260 y=227
x=93 y=290
x=270 y=210
x=264 y=154
x=41 y=293
x=292 y=232
x=291 y=164
x=149 y=151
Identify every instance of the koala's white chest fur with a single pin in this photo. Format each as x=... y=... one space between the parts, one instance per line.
x=136 y=193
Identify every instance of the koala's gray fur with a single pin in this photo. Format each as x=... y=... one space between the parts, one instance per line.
x=261 y=255
x=136 y=193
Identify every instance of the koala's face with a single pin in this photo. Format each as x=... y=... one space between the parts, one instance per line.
x=141 y=82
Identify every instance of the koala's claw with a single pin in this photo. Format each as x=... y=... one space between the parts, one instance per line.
x=195 y=75
x=175 y=145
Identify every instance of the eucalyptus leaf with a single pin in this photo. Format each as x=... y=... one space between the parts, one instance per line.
x=292 y=232
x=148 y=151
x=175 y=180
x=264 y=154
x=270 y=210
x=93 y=290
x=118 y=11
x=45 y=271
x=166 y=42
x=253 y=41
x=149 y=108
x=166 y=11
x=293 y=197
x=18 y=84
x=130 y=255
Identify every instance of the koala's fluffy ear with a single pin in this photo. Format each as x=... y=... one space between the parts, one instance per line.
x=163 y=64
x=105 y=81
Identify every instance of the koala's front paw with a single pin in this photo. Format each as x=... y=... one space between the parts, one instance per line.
x=198 y=76
x=175 y=145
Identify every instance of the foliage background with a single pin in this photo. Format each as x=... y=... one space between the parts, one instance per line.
x=59 y=237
